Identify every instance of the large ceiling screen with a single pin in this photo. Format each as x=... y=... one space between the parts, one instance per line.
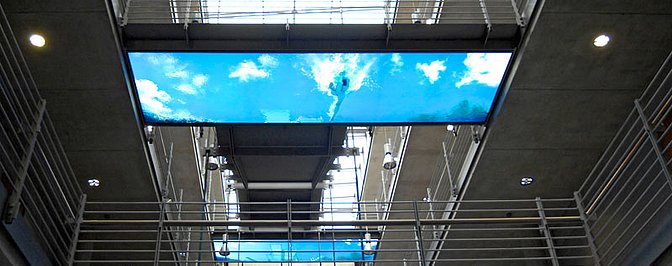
x=344 y=88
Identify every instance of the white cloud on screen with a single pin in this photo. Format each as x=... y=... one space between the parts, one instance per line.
x=187 y=88
x=267 y=60
x=325 y=68
x=173 y=68
x=397 y=62
x=177 y=74
x=484 y=68
x=199 y=80
x=248 y=70
x=432 y=70
x=154 y=101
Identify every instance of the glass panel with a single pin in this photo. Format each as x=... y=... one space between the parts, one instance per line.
x=298 y=11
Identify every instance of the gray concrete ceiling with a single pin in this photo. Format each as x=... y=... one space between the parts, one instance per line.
x=80 y=75
x=568 y=98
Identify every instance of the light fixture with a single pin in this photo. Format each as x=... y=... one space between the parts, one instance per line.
x=149 y=132
x=601 y=41
x=213 y=163
x=224 y=250
x=93 y=182
x=222 y=161
x=37 y=40
x=526 y=181
x=368 y=246
x=226 y=174
x=452 y=129
x=416 y=16
x=388 y=161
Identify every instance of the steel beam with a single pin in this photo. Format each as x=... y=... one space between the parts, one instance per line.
x=326 y=37
x=279 y=185
x=286 y=151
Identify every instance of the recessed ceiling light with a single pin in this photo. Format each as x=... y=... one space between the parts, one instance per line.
x=93 y=182
x=601 y=41
x=526 y=181
x=37 y=40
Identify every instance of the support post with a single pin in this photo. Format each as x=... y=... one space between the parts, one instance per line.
x=13 y=203
x=418 y=232
x=289 y=230
x=159 y=231
x=654 y=142
x=75 y=235
x=547 y=233
x=586 y=228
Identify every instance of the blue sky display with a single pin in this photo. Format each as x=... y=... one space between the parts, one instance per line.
x=350 y=88
x=302 y=251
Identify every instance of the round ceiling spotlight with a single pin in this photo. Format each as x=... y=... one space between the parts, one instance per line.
x=601 y=41
x=37 y=40
x=93 y=182
x=526 y=181
x=389 y=162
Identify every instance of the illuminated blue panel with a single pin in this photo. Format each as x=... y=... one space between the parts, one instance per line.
x=347 y=88
x=301 y=250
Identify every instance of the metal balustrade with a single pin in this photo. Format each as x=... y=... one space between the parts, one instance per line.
x=458 y=151
x=41 y=189
x=322 y=12
x=397 y=138
x=489 y=230
x=627 y=194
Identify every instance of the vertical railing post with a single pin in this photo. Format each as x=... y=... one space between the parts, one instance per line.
x=654 y=142
x=453 y=188
x=586 y=228
x=516 y=12
x=418 y=233
x=75 y=233
x=289 y=230
x=486 y=15
x=547 y=232
x=124 y=16
x=159 y=231
x=13 y=203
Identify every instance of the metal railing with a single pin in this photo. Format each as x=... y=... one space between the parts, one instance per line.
x=628 y=192
x=320 y=12
x=458 y=151
x=516 y=231
x=40 y=184
x=397 y=138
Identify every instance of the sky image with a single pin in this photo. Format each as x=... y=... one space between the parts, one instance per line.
x=348 y=88
x=301 y=250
